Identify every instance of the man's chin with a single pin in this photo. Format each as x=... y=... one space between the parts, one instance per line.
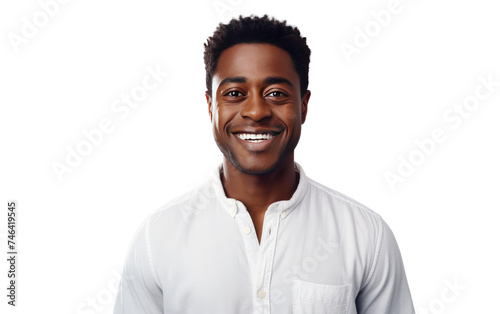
x=257 y=164
x=256 y=170
x=256 y=167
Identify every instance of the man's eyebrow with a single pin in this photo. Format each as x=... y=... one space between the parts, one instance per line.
x=268 y=81
x=277 y=80
x=234 y=79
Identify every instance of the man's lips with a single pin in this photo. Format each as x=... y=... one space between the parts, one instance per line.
x=256 y=140
x=256 y=134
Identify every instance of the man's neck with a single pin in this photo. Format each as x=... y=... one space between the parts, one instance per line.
x=257 y=192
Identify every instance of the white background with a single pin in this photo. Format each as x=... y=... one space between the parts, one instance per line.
x=73 y=233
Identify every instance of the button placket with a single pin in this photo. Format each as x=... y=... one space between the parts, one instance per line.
x=249 y=239
x=265 y=261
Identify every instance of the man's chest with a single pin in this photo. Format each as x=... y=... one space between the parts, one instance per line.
x=228 y=267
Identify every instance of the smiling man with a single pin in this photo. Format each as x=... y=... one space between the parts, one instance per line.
x=260 y=236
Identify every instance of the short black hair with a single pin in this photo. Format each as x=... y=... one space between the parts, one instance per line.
x=254 y=29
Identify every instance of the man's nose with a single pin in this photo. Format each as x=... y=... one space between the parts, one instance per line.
x=255 y=108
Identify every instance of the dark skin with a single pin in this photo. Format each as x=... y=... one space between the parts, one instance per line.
x=256 y=92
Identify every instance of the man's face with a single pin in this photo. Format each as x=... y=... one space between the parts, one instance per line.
x=256 y=108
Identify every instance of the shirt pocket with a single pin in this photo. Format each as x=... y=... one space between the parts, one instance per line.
x=314 y=298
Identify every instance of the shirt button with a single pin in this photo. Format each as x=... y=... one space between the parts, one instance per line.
x=247 y=230
x=261 y=294
x=283 y=213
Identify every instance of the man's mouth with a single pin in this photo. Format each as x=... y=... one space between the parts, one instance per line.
x=257 y=140
x=255 y=137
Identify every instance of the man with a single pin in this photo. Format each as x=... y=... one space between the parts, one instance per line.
x=260 y=236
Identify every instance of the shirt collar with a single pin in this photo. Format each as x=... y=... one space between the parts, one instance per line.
x=285 y=207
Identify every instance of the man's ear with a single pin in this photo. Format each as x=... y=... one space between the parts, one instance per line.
x=209 y=103
x=304 y=104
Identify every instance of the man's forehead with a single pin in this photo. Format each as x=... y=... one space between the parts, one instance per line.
x=253 y=51
x=254 y=61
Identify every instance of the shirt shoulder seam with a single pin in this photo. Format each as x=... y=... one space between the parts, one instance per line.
x=150 y=255
x=343 y=197
x=186 y=197
x=376 y=256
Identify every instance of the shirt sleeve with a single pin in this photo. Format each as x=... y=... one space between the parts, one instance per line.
x=139 y=291
x=386 y=290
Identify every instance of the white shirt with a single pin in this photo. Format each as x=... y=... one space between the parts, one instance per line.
x=320 y=252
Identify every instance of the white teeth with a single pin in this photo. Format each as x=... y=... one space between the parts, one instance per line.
x=252 y=136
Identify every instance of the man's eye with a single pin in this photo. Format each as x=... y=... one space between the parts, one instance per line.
x=276 y=94
x=234 y=93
